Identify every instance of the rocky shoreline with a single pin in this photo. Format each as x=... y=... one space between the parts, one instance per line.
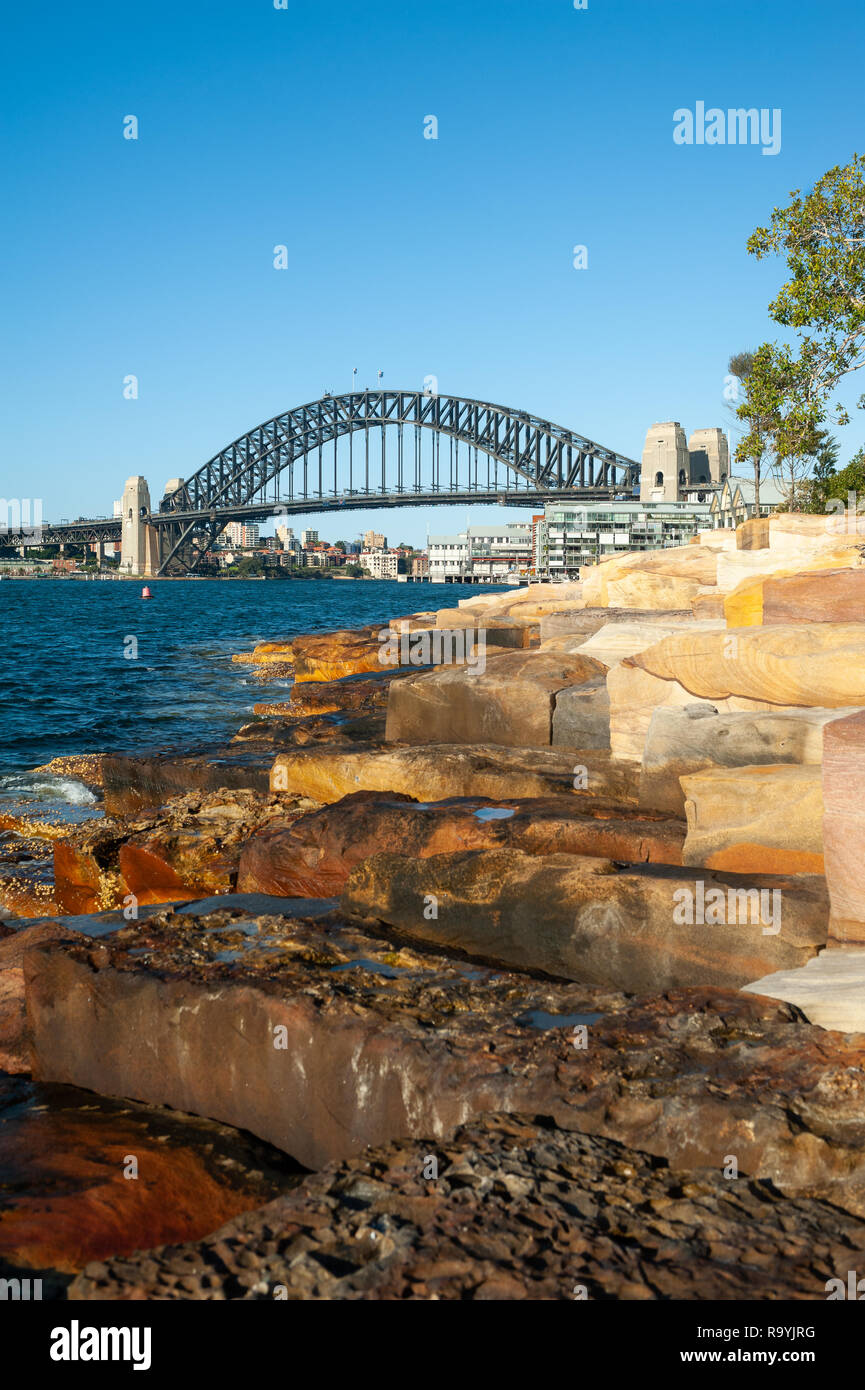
x=534 y=929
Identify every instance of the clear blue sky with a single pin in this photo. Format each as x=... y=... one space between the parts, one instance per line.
x=451 y=257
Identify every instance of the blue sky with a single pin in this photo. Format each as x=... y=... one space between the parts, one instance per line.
x=450 y=257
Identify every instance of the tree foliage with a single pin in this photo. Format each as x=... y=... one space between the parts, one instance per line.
x=789 y=385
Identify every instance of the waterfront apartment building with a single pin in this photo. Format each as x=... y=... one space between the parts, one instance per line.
x=481 y=554
x=574 y=534
x=381 y=564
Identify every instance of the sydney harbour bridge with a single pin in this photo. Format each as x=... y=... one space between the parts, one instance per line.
x=365 y=449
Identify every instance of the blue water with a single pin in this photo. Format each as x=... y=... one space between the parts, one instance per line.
x=67 y=686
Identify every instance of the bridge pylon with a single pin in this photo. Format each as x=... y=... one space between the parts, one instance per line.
x=139 y=551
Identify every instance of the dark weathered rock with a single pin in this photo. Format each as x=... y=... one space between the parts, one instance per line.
x=320 y=1039
x=518 y=1210
x=14 y=1045
x=133 y=781
x=69 y=1194
x=188 y=848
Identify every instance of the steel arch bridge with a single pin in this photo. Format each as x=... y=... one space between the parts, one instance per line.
x=279 y=467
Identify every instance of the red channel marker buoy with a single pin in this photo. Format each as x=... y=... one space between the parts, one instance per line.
x=145 y=592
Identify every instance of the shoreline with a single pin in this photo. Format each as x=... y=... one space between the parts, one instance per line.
x=548 y=885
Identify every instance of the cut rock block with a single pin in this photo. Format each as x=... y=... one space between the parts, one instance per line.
x=510 y=702
x=615 y=641
x=581 y=717
x=442 y=770
x=753 y=534
x=314 y=856
x=762 y=820
x=844 y=825
x=314 y=1036
x=818 y=664
x=829 y=989
x=690 y=738
x=635 y=694
x=583 y=919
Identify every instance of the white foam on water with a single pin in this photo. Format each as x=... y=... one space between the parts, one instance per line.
x=43 y=787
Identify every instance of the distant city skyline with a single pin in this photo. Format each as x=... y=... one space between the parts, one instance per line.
x=451 y=204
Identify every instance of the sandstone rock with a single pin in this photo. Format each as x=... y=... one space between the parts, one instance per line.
x=829 y=989
x=819 y=664
x=580 y=918
x=327 y=656
x=763 y=820
x=831 y=596
x=327 y=1039
x=517 y=633
x=741 y=577
x=615 y=641
x=314 y=856
x=654 y=579
x=708 y=604
x=14 y=1046
x=413 y=622
x=844 y=825
x=689 y=738
x=439 y=771
x=635 y=695
x=510 y=702
x=352 y=693
x=583 y=623
x=133 y=782
x=581 y=716
x=793 y=532
x=753 y=534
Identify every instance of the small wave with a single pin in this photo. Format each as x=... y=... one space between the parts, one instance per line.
x=42 y=787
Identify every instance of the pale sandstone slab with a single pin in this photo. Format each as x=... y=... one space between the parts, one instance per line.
x=829 y=989
x=635 y=694
x=615 y=641
x=766 y=820
x=582 y=623
x=818 y=664
x=509 y=703
x=580 y=918
x=844 y=825
x=792 y=531
x=690 y=738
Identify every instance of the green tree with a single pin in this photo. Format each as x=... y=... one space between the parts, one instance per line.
x=822 y=235
x=751 y=448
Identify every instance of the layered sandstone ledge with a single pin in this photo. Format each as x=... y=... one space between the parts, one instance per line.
x=520 y=813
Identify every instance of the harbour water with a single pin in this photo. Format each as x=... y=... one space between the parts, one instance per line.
x=90 y=667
